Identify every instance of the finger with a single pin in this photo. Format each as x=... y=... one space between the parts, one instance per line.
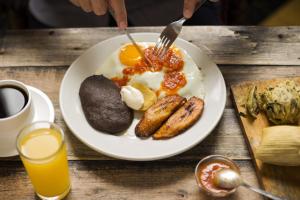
x=85 y=5
x=120 y=13
x=189 y=8
x=99 y=6
x=75 y=2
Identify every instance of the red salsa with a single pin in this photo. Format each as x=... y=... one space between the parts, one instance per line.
x=173 y=81
x=207 y=173
x=138 y=69
x=121 y=81
x=171 y=64
x=171 y=61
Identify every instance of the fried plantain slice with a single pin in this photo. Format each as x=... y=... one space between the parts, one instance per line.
x=181 y=120
x=157 y=114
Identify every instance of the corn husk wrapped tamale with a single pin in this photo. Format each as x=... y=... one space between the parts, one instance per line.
x=280 y=145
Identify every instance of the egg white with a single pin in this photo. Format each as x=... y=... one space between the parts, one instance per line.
x=112 y=67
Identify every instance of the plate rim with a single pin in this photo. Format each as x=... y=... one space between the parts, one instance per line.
x=148 y=158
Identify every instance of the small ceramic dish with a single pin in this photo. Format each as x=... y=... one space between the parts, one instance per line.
x=218 y=192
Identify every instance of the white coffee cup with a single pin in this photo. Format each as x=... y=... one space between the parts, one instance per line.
x=11 y=126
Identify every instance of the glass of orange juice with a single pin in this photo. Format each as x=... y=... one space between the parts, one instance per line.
x=43 y=152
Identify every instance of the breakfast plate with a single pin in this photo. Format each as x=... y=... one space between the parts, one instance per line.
x=126 y=145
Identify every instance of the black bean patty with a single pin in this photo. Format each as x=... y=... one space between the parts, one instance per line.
x=102 y=105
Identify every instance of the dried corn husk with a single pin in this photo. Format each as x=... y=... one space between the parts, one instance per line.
x=252 y=104
x=280 y=145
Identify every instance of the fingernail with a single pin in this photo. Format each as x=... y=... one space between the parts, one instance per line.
x=187 y=13
x=122 y=25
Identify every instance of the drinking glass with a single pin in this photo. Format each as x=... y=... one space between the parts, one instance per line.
x=42 y=149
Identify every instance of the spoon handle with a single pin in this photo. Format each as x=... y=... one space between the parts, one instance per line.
x=262 y=192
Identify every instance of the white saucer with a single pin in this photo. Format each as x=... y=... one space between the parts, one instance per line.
x=42 y=110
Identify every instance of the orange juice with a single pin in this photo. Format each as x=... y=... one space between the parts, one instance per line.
x=44 y=156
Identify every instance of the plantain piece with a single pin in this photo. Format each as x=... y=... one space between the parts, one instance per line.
x=280 y=145
x=149 y=95
x=157 y=114
x=182 y=119
x=252 y=103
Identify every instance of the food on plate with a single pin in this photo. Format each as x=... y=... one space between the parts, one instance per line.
x=132 y=97
x=157 y=114
x=149 y=95
x=129 y=55
x=138 y=96
x=182 y=119
x=281 y=103
x=280 y=145
x=158 y=89
x=102 y=105
x=177 y=113
x=174 y=73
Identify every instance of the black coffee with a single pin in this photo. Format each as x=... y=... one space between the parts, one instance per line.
x=12 y=100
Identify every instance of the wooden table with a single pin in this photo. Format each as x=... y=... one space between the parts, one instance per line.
x=41 y=57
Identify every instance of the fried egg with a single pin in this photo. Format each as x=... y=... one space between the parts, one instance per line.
x=128 y=56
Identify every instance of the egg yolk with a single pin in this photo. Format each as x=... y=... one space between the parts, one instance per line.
x=130 y=56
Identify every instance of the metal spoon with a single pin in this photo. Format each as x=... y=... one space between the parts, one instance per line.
x=229 y=179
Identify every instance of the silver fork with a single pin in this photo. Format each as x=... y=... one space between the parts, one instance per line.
x=170 y=33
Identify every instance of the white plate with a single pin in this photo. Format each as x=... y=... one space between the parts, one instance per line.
x=42 y=110
x=128 y=146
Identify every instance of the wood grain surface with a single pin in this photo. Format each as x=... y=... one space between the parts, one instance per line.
x=279 y=180
x=41 y=57
x=226 y=45
x=123 y=180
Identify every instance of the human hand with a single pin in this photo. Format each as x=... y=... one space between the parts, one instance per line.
x=190 y=6
x=100 y=7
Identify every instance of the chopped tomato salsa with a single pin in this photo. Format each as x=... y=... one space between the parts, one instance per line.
x=171 y=64
x=121 y=81
x=171 y=61
x=173 y=81
x=207 y=173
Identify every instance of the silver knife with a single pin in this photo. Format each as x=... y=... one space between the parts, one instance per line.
x=132 y=40
x=137 y=47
